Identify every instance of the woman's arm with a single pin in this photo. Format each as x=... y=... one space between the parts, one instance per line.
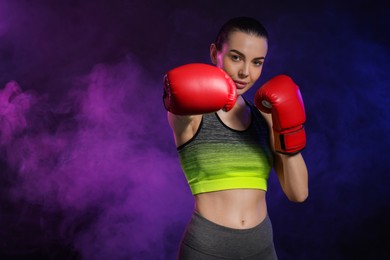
x=192 y=90
x=290 y=169
x=183 y=127
x=293 y=177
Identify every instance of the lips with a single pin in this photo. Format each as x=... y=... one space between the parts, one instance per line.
x=240 y=84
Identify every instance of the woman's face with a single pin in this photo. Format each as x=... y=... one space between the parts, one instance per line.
x=242 y=58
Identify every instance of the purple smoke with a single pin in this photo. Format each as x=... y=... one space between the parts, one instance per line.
x=103 y=159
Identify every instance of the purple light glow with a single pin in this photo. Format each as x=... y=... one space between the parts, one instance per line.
x=4 y=17
x=13 y=106
x=100 y=160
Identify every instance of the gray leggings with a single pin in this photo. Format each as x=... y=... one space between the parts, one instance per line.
x=206 y=240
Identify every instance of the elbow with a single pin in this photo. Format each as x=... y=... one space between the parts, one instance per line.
x=298 y=197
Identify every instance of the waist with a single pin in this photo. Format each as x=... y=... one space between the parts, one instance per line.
x=236 y=208
x=222 y=242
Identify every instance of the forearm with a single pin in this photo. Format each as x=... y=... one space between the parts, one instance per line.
x=292 y=175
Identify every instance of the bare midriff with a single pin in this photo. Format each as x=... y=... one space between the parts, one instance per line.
x=237 y=208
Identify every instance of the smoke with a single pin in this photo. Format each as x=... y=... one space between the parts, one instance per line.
x=13 y=107
x=99 y=165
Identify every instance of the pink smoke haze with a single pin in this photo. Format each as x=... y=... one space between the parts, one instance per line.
x=104 y=160
x=13 y=108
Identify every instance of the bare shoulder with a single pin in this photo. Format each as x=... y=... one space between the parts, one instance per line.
x=183 y=127
x=178 y=123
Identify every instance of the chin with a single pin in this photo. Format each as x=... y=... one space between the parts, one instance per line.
x=241 y=91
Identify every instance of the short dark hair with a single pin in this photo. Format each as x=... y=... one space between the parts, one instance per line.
x=242 y=24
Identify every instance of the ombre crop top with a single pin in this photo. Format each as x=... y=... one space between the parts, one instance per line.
x=220 y=158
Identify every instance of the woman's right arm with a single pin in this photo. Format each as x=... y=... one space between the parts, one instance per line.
x=192 y=90
x=183 y=127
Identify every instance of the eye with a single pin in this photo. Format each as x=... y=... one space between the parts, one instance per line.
x=258 y=63
x=236 y=58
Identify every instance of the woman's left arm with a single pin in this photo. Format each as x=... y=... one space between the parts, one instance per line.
x=280 y=102
x=290 y=169
x=292 y=174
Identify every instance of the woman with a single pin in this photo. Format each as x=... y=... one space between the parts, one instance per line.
x=227 y=146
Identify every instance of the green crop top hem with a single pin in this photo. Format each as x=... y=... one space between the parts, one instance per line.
x=229 y=184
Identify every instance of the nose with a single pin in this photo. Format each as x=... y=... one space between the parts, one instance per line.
x=244 y=71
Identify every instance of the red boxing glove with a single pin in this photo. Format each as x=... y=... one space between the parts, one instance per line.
x=281 y=97
x=198 y=89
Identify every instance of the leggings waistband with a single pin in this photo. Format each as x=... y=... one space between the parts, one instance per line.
x=209 y=238
x=198 y=218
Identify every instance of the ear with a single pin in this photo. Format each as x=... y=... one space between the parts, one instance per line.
x=213 y=53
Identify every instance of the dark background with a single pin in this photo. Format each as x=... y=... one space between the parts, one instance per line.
x=88 y=165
